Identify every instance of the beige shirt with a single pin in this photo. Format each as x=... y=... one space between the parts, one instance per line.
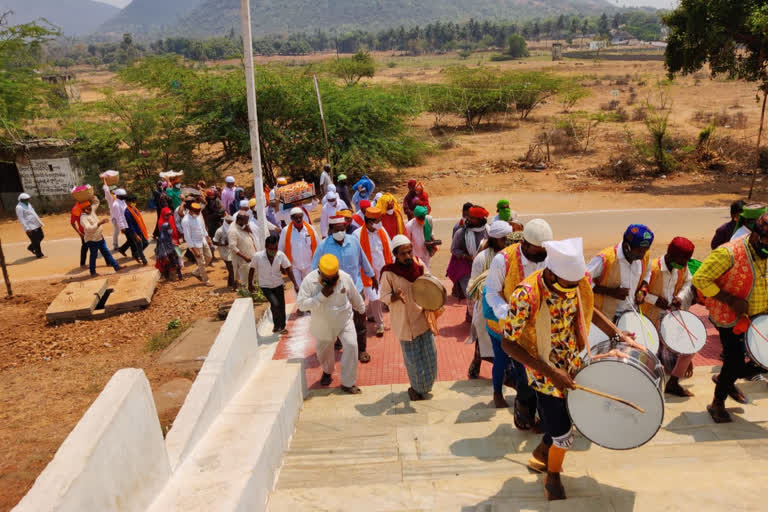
x=242 y=241
x=90 y=223
x=408 y=319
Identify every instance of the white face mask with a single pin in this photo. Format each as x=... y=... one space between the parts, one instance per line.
x=339 y=236
x=391 y=211
x=178 y=185
x=377 y=226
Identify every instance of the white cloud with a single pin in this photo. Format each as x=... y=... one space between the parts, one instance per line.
x=659 y=4
x=116 y=3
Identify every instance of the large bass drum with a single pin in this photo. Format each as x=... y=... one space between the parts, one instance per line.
x=644 y=330
x=757 y=340
x=637 y=378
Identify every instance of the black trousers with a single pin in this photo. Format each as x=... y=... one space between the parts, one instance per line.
x=734 y=365
x=362 y=331
x=276 y=298
x=83 y=251
x=230 y=274
x=137 y=245
x=554 y=417
x=35 y=237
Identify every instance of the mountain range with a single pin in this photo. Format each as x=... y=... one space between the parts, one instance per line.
x=73 y=17
x=149 y=16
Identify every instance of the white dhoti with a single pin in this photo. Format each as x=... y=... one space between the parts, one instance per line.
x=375 y=307
x=327 y=356
x=242 y=268
x=300 y=273
x=479 y=332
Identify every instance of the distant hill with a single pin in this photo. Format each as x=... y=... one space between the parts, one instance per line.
x=74 y=17
x=203 y=18
x=148 y=16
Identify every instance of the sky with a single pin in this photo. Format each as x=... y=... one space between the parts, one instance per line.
x=116 y=3
x=659 y=4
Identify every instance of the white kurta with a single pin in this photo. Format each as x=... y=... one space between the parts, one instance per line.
x=497 y=274
x=332 y=318
x=327 y=212
x=415 y=232
x=670 y=280
x=479 y=265
x=301 y=251
x=377 y=257
x=630 y=277
x=28 y=217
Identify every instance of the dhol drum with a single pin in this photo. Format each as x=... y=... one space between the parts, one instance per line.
x=637 y=378
x=596 y=335
x=429 y=293
x=756 y=340
x=683 y=333
x=645 y=332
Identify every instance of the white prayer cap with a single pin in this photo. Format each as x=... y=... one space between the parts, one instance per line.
x=228 y=218
x=331 y=188
x=297 y=211
x=565 y=258
x=398 y=241
x=537 y=231
x=513 y=216
x=229 y=179
x=377 y=197
x=499 y=229
x=331 y=196
x=24 y=196
x=244 y=203
x=121 y=192
x=272 y=195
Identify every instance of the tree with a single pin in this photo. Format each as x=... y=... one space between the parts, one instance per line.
x=517 y=47
x=22 y=93
x=355 y=68
x=730 y=35
x=603 y=27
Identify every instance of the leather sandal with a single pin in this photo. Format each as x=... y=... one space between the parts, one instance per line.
x=326 y=379
x=364 y=357
x=735 y=393
x=352 y=390
x=718 y=412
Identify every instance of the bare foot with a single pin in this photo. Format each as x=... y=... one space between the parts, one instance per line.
x=499 y=401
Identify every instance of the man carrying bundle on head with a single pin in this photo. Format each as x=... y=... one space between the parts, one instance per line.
x=498 y=232
x=409 y=320
x=669 y=289
x=331 y=296
x=376 y=246
x=507 y=270
x=464 y=247
x=621 y=273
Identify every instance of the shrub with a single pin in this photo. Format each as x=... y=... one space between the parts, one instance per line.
x=611 y=105
x=517 y=48
x=355 y=68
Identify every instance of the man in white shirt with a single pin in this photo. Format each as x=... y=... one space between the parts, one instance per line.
x=117 y=214
x=331 y=206
x=325 y=179
x=198 y=241
x=242 y=247
x=376 y=246
x=270 y=265
x=228 y=192
x=221 y=241
x=31 y=224
x=93 y=237
x=298 y=241
x=331 y=296
x=620 y=274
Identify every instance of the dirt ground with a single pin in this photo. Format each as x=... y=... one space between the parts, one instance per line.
x=50 y=375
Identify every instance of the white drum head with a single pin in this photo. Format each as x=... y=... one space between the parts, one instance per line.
x=756 y=345
x=683 y=332
x=596 y=335
x=612 y=424
x=645 y=332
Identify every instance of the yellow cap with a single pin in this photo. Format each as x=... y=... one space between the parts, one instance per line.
x=329 y=265
x=252 y=203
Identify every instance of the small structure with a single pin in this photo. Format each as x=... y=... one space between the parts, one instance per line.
x=596 y=45
x=557 y=51
x=64 y=86
x=43 y=168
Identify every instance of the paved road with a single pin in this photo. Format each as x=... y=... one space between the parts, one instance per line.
x=599 y=228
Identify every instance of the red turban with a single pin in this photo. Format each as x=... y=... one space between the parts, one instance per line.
x=478 y=212
x=365 y=204
x=681 y=247
x=411 y=183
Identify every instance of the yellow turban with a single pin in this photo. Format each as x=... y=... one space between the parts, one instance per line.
x=252 y=203
x=347 y=214
x=329 y=265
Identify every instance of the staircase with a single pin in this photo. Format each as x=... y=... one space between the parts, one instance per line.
x=380 y=452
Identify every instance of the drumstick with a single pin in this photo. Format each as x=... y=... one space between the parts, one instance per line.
x=755 y=329
x=681 y=321
x=613 y=326
x=610 y=397
x=642 y=323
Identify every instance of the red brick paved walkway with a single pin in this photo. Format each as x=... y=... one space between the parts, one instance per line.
x=454 y=356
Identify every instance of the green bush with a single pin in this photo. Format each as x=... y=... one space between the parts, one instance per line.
x=517 y=48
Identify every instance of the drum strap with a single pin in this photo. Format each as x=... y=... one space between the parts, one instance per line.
x=544 y=332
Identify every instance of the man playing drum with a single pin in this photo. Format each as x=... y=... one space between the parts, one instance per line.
x=621 y=273
x=733 y=280
x=507 y=270
x=670 y=289
x=546 y=330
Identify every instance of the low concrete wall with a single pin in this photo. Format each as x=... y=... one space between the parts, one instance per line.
x=232 y=358
x=114 y=459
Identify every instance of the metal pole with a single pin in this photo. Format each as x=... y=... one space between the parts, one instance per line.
x=325 y=130
x=253 y=124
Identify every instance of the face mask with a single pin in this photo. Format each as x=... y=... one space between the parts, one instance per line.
x=339 y=236
x=676 y=266
x=332 y=203
x=377 y=226
x=178 y=185
x=420 y=221
x=391 y=211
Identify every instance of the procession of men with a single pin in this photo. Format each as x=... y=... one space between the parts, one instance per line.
x=532 y=299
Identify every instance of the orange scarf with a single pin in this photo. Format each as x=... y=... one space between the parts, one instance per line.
x=289 y=231
x=365 y=243
x=137 y=217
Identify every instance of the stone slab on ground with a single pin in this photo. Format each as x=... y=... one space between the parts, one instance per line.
x=132 y=292
x=77 y=301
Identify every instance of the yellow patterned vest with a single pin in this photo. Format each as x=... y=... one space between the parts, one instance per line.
x=656 y=287
x=514 y=275
x=611 y=278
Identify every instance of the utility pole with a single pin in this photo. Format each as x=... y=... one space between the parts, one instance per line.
x=5 y=272
x=253 y=120
x=325 y=130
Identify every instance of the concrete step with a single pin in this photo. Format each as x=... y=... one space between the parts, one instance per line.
x=231 y=467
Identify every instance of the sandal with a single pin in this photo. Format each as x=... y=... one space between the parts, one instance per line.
x=414 y=395
x=353 y=390
x=474 y=370
x=719 y=414
x=522 y=415
x=364 y=357
x=326 y=379
x=735 y=393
